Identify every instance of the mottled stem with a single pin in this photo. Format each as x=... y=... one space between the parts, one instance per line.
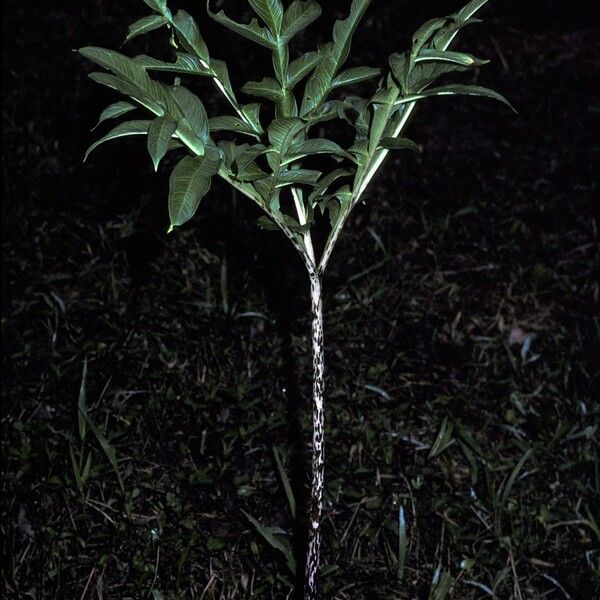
x=318 y=445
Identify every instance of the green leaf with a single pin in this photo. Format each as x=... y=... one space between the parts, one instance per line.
x=267 y=88
x=324 y=184
x=301 y=67
x=390 y=143
x=454 y=90
x=228 y=123
x=282 y=132
x=424 y=34
x=310 y=147
x=130 y=78
x=157 y=5
x=189 y=183
x=444 y=438
x=266 y=223
x=306 y=176
x=469 y=10
x=285 y=481
x=271 y=12
x=443 y=38
x=298 y=16
x=251 y=113
x=185 y=64
x=189 y=36
x=402 y=543
x=122 y=130
x=159 y=135
x=193 y=111
x=355 y=75
x=268 y=534
x=253 y=31
x=145 y=25
x=446 y=56
x=115 y=110
x=334 y=56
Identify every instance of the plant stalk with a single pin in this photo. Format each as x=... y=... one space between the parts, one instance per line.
x=318 y=439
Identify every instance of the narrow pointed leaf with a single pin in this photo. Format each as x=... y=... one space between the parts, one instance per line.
x=334 y=56
x=252 y=31
x=145 y=25
x=390 y=143
x=189 y=183
x=157 y=5
x=306 y=176
x=298 y=16
x=193 y=110
x=459 y=58
x=267 y=88
x=229 y=123
x=189 y=35
x=115 y=110
x=123 y=130
x=159 y=135
x=355 y=75
x=301 y=67
x=469 y=10
x=325 y=182
x=318 y=146
x=268 y=534
x=185 y=64
x=271 y=12
x=454 y=90
x=282 y=132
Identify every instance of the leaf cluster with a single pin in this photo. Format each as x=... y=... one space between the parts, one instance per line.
x=267 y=160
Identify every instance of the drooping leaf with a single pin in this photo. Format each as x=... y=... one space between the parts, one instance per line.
x=298 y=16
x=454 y=90
x=115 y=110
x=355 y=75
x=123 y=130
x=159 y=135
x=444 y=36
x=144 y=25
x=334 y=56
x=424 y=35
x=189 y=36
x=271 y=12
x=189 y=183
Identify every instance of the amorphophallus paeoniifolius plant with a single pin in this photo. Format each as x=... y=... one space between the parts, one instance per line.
x=273 y=163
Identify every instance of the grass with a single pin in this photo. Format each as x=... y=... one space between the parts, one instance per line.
x=135 y=480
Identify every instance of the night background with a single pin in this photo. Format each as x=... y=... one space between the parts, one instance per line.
x=461 y=305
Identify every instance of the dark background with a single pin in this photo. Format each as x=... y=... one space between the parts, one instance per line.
x=192 y=338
